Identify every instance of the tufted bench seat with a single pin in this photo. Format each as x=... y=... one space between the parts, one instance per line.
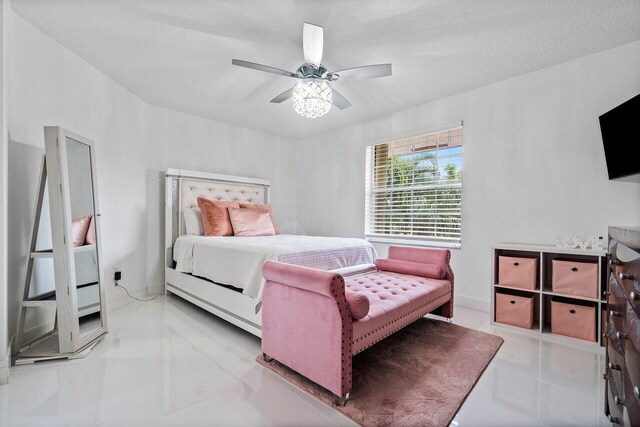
x=307 y=321
x=395 y=300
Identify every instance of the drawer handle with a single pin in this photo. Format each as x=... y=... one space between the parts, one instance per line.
x=618 y=400
x=605 y=335
x=614 y=313
x=606 y=293
x=613 y=419
x=574 y=269
x=634 y=296
x=636 y=391
x=516 y=264
x=627 y=276
x=512 y=302
x=614 y=367
x=572 y=311
x=621 y=336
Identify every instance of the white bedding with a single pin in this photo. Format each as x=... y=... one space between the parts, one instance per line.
x=237 y=261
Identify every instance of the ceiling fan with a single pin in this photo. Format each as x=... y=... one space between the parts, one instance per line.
x=313 y=94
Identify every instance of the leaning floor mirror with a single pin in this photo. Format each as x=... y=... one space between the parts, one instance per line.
x=65 y=234
x=75 y=233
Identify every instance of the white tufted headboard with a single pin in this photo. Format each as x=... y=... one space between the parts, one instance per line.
x=191 y=189
x=183 y=188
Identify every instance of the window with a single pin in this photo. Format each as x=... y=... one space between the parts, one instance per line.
x=414 y=189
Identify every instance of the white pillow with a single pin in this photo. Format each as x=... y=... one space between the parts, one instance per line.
x=193 y=222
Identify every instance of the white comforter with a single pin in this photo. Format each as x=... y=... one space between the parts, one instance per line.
x=237 y=261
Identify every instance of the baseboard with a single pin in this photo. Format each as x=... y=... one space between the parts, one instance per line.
x=36 y=332
x=472 y=303
x=149 y=291
x=4 y=367
x=153 y=290
x=123 y=299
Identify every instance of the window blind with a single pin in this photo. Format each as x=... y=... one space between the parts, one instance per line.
x=414 y=187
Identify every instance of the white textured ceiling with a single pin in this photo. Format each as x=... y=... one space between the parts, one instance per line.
x=177 y=53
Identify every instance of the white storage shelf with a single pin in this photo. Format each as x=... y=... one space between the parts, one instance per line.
x=543 y=292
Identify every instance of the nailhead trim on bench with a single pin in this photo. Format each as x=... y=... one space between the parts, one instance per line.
x=337 y=290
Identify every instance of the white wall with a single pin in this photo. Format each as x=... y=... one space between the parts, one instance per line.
x=135 y=143
x=4 y=336
x=183 y=141
x=533 y=162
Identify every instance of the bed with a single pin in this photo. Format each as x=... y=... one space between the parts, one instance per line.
x=223 y=274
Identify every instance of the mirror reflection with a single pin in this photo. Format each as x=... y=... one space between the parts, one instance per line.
x=84 y=235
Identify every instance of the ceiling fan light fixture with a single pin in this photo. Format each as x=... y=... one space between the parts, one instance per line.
x=312 y=95
x=312 y=98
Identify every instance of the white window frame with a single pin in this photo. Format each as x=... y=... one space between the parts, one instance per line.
x=407 y=239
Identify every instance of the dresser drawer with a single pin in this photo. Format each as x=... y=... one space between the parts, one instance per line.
x=613 y=341
x=615 y=366
x=614 y=394
x=616 y=303
x=629 y=276
x=632 y=345
x=631 y=401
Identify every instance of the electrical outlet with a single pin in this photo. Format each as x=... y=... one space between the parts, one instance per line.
x=117 y=276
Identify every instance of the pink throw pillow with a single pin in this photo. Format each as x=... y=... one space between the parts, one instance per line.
x=248 y=222
x=91 y=233
x=266 y=207
x=358 y=304
x=215 y=217
x=79 y=227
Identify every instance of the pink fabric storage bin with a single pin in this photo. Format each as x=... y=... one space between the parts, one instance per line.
x=517 y=272
x=575 y=278
x=515 y=310
x=573 y=320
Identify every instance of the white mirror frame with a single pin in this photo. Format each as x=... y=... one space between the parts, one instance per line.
x=62 y=236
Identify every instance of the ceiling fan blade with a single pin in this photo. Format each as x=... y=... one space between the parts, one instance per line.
x=339 y=100
x=260 y=67
x=364 y=72
x=312 y=43
x=283 y=96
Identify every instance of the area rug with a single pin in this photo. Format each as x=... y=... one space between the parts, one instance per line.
x=419 y=376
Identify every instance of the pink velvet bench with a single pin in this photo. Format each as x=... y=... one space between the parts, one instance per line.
x=315 y=321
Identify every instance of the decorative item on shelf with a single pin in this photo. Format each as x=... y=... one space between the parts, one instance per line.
x=595 y=243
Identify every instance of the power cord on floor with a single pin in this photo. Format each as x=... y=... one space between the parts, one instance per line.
x=118 y=285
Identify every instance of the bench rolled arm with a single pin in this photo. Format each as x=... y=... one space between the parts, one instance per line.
x=308 y=279
x=307 y=325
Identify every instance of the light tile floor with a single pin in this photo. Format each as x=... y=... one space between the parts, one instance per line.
x=166 y=362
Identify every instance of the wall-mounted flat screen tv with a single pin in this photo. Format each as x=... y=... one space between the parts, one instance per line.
x=620 y=130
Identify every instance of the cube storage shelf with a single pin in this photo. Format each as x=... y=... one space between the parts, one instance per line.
x=543 y=295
